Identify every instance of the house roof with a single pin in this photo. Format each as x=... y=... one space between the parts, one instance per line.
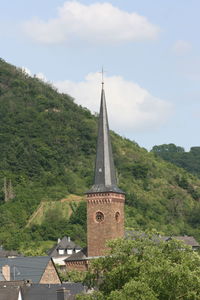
x=81 y=255
x=8 y=253
x=65 y=243
x=29 y=268
x=1 y=276
x=14 y=283
x=188 y=240
x=105 y=177
x=44 y=291
x=9 y=293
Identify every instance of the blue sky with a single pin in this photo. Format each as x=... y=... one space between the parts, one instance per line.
x=149 y=49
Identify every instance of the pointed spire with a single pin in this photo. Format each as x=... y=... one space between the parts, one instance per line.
x=105 y=178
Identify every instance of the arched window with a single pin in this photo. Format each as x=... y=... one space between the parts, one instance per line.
x=99 y=216
x=117 y=216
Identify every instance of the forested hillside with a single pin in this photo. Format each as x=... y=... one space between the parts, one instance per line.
x=190 y=160
x=47 y=152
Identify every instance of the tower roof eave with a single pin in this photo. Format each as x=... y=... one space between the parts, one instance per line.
x=100 y=188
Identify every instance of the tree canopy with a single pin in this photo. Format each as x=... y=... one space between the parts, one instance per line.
x=190 y=160
x=145 y=268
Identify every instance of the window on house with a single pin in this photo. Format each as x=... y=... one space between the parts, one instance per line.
x=69 y=251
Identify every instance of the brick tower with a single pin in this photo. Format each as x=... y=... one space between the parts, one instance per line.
x=105 y=201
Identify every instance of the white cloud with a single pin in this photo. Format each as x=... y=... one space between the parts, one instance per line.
x=98 y=22
x=182 y=47
x=26 y=71
x=130 y=107
x=41 y=76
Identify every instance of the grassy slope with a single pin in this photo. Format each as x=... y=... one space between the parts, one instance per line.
x=48 y=148
x=63 y=207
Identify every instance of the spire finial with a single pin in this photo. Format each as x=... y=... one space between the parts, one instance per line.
x=102 y=77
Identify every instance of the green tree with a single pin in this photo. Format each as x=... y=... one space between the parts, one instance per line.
x=177 y=155
x=146 y=268
x=168 y=148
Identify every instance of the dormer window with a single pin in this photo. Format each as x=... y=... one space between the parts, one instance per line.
x=69 y=251
x=61 y=251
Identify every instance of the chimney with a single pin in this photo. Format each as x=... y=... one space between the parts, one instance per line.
x=63 y=294
x=59 y=240
x=6 y=272
x=68 y=238
x=28 y=282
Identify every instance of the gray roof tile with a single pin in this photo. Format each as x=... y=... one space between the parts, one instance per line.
x=43 y=291
x=188 y=240
x=8 y=253
x=105 y=177
x=65 y=243
x=81 y=255
x=29 y=268
x=1 y=276
x=9 y=293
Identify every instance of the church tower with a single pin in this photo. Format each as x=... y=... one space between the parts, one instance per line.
x=105 y=201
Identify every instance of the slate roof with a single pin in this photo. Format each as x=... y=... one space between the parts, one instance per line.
x=14 y=283
x=81 y=255
x=105 y=177
x=65 y=243
x=28 y=268
x=188 y=240
x=1 y=276
x=48 y=292
x=8 y=253
x=9 y=293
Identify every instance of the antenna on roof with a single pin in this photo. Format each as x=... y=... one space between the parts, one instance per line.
x=14 y=271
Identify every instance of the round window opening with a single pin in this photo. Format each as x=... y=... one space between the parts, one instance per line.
x=99 y=216
x=117 y=216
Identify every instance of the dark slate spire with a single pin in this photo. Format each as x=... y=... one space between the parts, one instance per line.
x=105 y=178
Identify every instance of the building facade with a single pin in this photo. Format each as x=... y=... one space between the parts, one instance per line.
x=36 y=269
x=105 y=200
x=62 y=250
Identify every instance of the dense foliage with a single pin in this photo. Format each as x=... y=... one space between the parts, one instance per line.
x=145 y=268
x=47 y=152
x=190 y=160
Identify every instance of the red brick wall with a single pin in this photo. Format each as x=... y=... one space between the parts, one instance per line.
x=77 y=265
x=98 y=233
x=50 y=275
